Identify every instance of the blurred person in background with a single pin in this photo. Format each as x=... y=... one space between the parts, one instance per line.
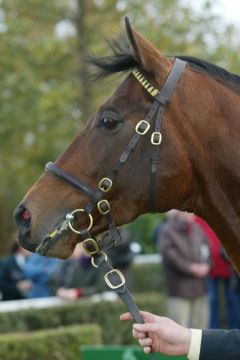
x=38 y=269
x=220 y=277
x=13 y=282
x=76 y=277
x=156 y=234
x=185 y=253
x=236 y=286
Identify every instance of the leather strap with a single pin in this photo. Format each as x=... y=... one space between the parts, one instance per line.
x=52 y=169
x=163 y=98
x=116 y=282
x=118 y=285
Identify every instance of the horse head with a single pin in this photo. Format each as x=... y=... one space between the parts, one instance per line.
x=97 y=149
x=134 y=156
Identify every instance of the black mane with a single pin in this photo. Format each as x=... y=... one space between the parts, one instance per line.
x=122 y=60
x=213 y=70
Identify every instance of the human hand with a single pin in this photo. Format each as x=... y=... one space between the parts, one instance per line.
x=24 y=285
x=67 y=293
x=160 y=334
x=200 y=269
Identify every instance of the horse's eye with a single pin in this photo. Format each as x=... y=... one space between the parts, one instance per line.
x=109 y=123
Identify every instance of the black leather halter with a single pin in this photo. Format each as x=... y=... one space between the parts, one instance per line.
x=161 y=99
x=94 y=246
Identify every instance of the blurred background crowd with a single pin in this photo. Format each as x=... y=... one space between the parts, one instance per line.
x=200 y=285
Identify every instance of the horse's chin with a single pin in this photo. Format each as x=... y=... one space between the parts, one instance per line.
x=59 y=246
x=23 y=240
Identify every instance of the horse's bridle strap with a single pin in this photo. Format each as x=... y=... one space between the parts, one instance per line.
x=85 y=189
x=163 y=98
x=116 y=282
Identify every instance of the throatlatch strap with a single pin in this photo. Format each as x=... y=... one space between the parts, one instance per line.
x=163 y=97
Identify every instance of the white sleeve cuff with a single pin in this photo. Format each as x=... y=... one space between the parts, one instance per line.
x=195 y=345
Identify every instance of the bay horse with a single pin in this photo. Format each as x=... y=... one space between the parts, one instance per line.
x=190 y=161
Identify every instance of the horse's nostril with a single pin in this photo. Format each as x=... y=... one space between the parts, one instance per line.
x=22 y=217
x=26 y=215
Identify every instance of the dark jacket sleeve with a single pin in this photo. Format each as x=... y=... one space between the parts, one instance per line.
x=10 y=274
x=220 y=345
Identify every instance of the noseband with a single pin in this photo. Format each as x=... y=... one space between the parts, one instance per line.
x=94 y=246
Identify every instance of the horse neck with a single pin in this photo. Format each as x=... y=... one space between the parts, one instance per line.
x=216 y=165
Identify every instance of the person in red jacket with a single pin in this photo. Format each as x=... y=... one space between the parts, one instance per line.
x=221 y=272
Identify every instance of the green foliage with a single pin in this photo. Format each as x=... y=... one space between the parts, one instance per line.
x=62 y=343
x=143 y=231
x=147 y=278
x=37 y=97
x=104 y=313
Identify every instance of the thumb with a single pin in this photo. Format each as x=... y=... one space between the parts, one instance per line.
x=126 y=316
x=146 y=327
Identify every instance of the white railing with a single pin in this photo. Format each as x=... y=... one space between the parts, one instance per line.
x=147 y=259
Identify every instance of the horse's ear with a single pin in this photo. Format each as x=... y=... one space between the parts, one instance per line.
x=132 y=42
x=144 y=52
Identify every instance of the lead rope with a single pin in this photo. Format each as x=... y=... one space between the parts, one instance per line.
x=116 y=282
x=114 y=278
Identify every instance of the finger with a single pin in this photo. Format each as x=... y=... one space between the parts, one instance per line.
x=139 y=334
x=148 y=317
x=147 y=349
x=145 y=342
x=126 y=316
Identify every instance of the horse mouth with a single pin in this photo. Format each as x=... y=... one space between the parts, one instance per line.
x=56 y=242
x=48 y=243
x=26 y=245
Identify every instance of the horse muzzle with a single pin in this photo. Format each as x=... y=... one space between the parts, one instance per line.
x=22 y=217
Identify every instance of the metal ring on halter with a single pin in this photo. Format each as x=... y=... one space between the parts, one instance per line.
x=91 y=246
x=93 y=259
x=156 y=138
x=142 y=127
x=82 y=211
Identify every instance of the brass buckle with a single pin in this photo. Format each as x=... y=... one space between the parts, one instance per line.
x=156 y=138
x=93 y=260
x=105 y=184
x=142 y=127
x=91 y=246
x=108 y=281
x=71 y=217
x=103 y=206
